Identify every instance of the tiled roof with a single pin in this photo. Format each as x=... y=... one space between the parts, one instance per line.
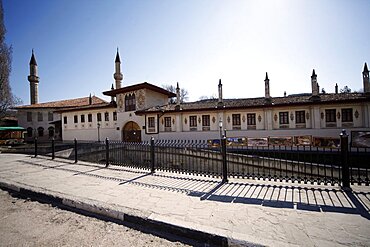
x=65 y=103
x=89 y=107
x=144 y=85
x=301 y=99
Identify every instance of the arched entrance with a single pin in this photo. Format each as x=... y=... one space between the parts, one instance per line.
x=131 y=132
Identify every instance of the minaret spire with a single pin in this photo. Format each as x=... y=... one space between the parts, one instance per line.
x=34 y=81
x=118 y=77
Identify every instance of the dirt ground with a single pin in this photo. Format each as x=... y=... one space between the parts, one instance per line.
x=29 y=223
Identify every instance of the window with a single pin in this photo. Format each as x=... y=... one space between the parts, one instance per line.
x=75 y=119
x=39 y=117
x=65 y=120
x=29 y=116
x=114 y=116
x=251 y=119
x=300 y=117
x=236 y=121
x=106 y=116
x=130 y=102
x=205 y=122
x=347 y=115
x=51 y=132
x=50 y=116
x=98 y=117
x=82 y=118
x=40 y=131
x=29 y=132
x=151 y=123
x=284 y=117
x=193 y=122
x=330 y=116
x=167 y=122
x=89 y=118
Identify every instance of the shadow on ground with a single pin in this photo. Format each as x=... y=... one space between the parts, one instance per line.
x=294 y=196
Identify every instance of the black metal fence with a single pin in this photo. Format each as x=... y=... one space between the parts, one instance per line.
x=303 y=164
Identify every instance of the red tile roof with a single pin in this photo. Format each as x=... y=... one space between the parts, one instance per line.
x=69 y=103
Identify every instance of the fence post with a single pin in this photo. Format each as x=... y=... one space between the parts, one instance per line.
x=52 y=149
x=224 y=160
x=106 y=152
x=75 y=141
x=152 y=169
x=35 y=147
x=344 y=158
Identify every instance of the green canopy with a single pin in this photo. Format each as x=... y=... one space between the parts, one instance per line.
x=12 y=128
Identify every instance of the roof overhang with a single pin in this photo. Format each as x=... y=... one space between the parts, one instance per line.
x=135 y=87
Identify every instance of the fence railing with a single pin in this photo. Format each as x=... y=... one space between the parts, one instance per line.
x=301 y=164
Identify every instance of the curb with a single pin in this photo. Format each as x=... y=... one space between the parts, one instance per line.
x=141 y=223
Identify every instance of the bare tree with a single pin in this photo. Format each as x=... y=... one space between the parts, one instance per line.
x=346 y=89
x=7 y=99
x=183 y=93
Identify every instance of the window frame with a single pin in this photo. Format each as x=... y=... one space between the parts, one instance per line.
x=236 y=120
x=65 y=120
x=347 y=115
x=299 y=116
x=330 y=115
x=251 y=119
x=75 y=119
x=29 y=116
x=40 y=117
x=283 y=117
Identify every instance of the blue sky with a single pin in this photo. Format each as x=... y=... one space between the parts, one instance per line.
x=191 y=42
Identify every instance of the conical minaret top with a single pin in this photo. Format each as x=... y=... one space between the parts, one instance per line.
x=118 y=75
x=34 y=81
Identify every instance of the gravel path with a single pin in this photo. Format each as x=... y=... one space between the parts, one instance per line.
x=30 y=223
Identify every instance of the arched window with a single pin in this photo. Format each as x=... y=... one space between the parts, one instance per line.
x=130 y=102
x=29 y=132
x=40 y=131
x=51 y=132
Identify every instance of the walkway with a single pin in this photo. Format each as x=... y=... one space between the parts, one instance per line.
x=242 y=211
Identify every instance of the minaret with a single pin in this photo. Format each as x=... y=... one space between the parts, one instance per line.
x=219 y=92
x=365 y=79
x=267 y=87
x=314 y=85
x=118 y=75
x=34 y=81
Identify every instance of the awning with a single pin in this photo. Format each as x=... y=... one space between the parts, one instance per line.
x=17 y=128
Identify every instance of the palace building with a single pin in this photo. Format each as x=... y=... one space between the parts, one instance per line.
x=141 y=111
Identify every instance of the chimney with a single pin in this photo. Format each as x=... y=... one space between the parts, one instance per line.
x=336 y=88
x=90 y=100
x=177 y=97
x=318 y=88
x=365 y=79
x=267 y=87
x=314 y=84
x=284 y=93
x=220 y=92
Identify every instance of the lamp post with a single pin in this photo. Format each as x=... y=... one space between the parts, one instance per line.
x=220 y=125
x=98 y=132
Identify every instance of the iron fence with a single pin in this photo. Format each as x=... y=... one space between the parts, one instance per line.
x=302 y=164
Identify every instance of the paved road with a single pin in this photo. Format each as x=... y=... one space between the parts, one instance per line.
x=29 y=223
